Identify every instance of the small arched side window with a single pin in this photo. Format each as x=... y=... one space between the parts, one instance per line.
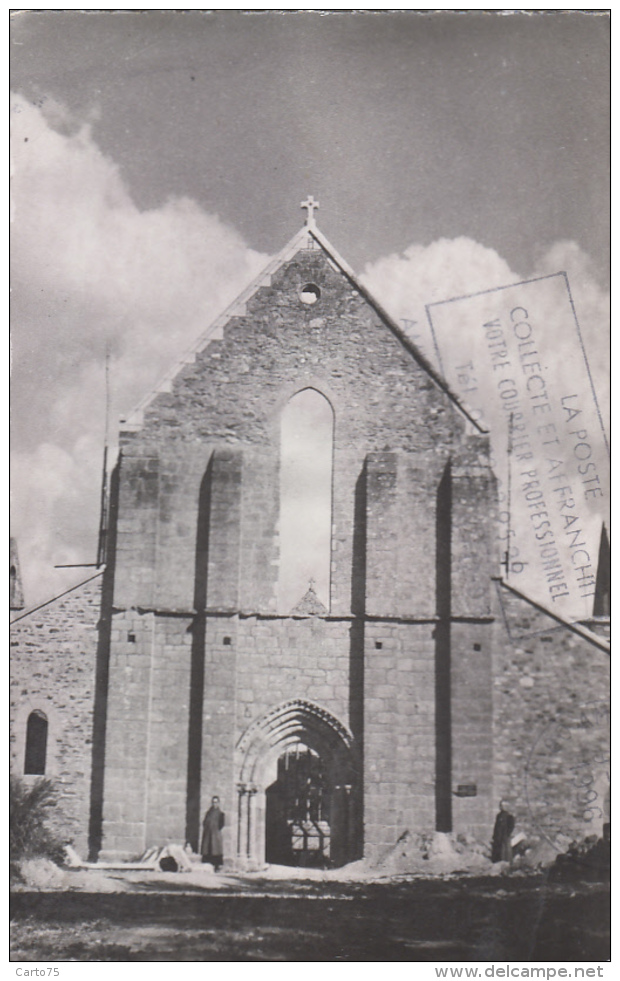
x=36 y=743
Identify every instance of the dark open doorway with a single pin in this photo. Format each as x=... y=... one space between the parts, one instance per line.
x=298 y=811
x=308 y=813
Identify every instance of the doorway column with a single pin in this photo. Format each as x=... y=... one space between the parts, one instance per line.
x=249 y=852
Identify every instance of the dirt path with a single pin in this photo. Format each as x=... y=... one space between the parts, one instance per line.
x=416 y=920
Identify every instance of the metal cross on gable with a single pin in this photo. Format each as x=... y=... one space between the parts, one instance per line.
x=310 y=205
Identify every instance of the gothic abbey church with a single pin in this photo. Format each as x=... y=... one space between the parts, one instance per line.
x=301 y=608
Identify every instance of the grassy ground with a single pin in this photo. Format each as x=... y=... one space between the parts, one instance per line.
x=451 y=919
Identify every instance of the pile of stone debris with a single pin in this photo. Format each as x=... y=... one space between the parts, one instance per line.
x=433 y=854
x=162 y=858
x=446 y=854
x=588 y=860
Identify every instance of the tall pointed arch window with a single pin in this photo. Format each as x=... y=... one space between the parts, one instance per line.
x=36 y=743
x=306 y=503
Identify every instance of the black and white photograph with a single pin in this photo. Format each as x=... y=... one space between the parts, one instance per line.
x=310 y=488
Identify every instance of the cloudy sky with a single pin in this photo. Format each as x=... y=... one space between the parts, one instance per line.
x=159 y=159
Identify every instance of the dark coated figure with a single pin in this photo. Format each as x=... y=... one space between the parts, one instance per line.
x=501 y=847
x=212 y=848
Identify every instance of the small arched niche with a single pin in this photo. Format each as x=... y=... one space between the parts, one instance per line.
x=306 y=454
x=36 y=743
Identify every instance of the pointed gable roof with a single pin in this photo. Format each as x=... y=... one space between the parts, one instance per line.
x=309 y=237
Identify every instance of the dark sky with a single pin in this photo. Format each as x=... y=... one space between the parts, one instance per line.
x=405 y=126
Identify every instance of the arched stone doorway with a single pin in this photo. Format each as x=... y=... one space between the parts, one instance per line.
x=299 y=792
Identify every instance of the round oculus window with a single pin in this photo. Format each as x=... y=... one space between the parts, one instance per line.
x=310 y=294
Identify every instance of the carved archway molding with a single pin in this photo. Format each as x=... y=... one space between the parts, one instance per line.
x=256 y=753
x=287 y=724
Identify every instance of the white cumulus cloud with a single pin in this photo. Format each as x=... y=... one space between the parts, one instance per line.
x=91 y=271
x=449 y=268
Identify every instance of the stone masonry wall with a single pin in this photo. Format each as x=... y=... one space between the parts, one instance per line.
x=399 y=736
x=233 y=395
x=551 y=708
x=265 y=663
x=471 y=727
x=428 y=692
x=455 y=693
x=145 y=789
x=53 y=663
x=196 y=579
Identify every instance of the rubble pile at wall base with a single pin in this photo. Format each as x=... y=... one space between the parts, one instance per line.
x=445 y=853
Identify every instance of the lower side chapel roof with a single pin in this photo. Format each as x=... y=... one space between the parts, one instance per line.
x=576 y=627
x=58 y=596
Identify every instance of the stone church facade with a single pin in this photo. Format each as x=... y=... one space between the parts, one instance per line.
x=387 y=693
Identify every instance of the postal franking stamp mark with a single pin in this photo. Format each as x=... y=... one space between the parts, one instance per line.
x=516 y=358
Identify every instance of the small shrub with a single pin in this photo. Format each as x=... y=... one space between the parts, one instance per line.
x=29 y=808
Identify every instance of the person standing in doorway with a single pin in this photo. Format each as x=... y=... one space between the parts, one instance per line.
x=501 y=847
x=211 y=848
